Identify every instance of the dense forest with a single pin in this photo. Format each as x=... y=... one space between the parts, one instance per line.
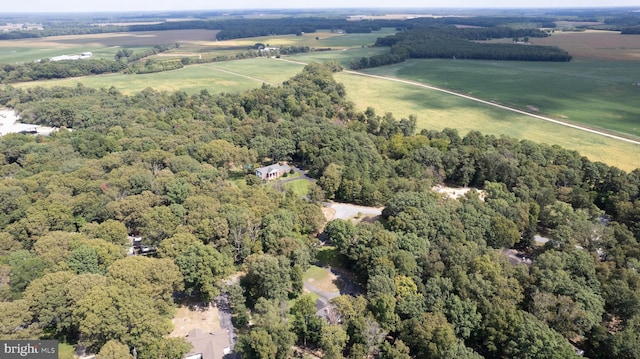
x=462 y=43
x=177 y=169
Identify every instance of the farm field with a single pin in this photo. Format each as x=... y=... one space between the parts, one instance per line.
x=593 y=44
x=101 y=45
x=596 y=93
x=231 y=76
x=193 y=43
x=435 y=110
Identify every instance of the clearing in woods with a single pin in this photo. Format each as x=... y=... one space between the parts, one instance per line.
x=193 y=316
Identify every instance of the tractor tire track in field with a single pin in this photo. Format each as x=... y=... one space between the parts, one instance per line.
x=240 y=75
x=539 y=117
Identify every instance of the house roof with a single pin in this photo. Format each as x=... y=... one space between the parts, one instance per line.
x=212 y=345
x=274 y=168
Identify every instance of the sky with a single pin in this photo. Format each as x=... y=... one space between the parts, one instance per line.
x=9 y=6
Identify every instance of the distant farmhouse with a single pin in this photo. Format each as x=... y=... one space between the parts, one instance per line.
x=272 y=172
x=84 y=55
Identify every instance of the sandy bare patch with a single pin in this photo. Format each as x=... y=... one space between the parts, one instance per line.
x=329 y=213
x=9 y=123
x=455 y=192
x=327 y=283
x=188 y=318
x=142 y=38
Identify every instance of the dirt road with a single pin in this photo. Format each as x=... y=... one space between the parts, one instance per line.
x=539 y=117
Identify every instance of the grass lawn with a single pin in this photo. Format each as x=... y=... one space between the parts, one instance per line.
x=330 y=256
x=316 y=273
x=299 y=187
x=66 y=351
x=321 y=279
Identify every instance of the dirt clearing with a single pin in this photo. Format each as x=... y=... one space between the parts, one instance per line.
x=195 y=316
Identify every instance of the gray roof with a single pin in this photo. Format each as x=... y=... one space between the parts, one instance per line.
x=274 y=167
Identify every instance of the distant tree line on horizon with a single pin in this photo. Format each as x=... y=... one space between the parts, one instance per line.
x=241 y=28
x=461 y=43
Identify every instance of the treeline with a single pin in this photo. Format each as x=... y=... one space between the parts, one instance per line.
x=242 y=28
x=454 y=43
x=632 y=30
x=45 y=69
x=169 y=166
x=128 y=55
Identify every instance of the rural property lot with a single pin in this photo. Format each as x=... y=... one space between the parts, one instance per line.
x=191 y=317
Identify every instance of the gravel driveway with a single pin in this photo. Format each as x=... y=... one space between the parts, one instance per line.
x=346 y=211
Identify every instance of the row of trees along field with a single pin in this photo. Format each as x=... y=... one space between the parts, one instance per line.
x=240 y=27
x=176 y=169
x=461 y=43
x=126 y=61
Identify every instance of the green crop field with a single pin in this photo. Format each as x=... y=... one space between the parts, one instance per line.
x=19 y=54
x=344 y=57
x=597 y=93
x=437 y=111
x=231 y=76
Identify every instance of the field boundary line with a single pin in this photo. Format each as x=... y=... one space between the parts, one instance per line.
x=521 y=112
x=508 y=108
x=237 y=74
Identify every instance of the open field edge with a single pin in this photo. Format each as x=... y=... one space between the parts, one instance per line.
x=439 y=111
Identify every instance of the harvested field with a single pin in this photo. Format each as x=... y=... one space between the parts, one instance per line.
x=592 y=44
x=142 y=38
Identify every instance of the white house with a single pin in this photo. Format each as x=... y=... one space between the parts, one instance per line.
x=272 y=172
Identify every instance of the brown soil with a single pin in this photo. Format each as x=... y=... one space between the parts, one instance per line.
x=195 y=316
x=329 y=213
x=326 y=284
x=605 y=45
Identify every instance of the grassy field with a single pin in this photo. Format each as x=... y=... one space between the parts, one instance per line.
x=17 y=54
x=232 y=76
x=299 y=187
x=437 y=111
x=101 y=45
x=595 y=93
